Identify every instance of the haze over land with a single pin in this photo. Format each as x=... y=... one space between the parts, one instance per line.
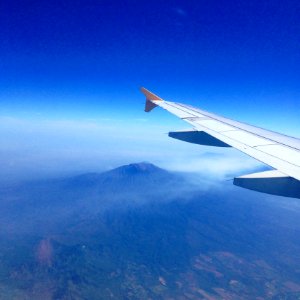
x=140 y=232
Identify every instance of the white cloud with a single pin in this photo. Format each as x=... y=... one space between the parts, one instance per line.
x=221 y=165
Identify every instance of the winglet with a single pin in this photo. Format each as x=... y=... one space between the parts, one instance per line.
x=150 y=97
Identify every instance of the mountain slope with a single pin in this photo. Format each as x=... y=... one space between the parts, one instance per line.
x=47 y=203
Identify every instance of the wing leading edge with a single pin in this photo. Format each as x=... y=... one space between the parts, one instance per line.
x=279 y=151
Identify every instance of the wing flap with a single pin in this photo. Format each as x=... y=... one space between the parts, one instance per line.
x=197 y=137
x=270 y=182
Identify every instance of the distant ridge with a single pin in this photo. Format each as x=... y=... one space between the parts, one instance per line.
x=142 y=169
x=138 y=169
x=140 y=177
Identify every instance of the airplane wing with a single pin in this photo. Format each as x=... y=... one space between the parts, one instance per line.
x=278 y=151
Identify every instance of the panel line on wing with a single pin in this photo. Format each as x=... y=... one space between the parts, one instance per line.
x=195 y=118
x=211 y=116
x=230 y=130
x=247 y=138
x=289 y=155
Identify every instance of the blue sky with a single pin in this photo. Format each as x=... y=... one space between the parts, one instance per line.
x=70 y=73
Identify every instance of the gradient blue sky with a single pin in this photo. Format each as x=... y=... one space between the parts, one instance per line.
x=70 y=73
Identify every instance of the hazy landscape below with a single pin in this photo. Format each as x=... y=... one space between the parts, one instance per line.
x=141 y=232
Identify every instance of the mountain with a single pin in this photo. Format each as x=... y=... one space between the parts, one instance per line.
x=125 y=178
x=49 y=202
x=141 y=232
x=133 y=171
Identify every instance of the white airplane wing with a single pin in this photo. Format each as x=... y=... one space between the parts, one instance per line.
x=278 y=151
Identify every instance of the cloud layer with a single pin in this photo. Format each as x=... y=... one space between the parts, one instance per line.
x=33 y=148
